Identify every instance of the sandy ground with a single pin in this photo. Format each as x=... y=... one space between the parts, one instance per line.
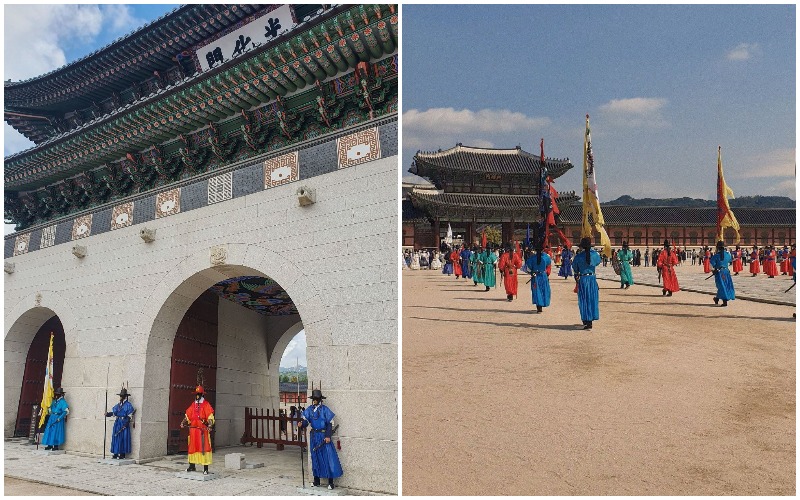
x=668 y=396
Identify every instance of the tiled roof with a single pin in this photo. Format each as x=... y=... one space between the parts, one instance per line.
x=411 y=213
x=501 y=161
x=677 y=216
x=486 y=201
x=292 y=387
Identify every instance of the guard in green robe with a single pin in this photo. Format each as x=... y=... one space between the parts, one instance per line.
x=625 y=257
x=489 y=264
x=477 y=267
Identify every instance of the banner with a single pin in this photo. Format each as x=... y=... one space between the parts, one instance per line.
x=47 y=394
x=591 y=198
x=725 y=217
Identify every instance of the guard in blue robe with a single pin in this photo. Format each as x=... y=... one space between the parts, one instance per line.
x=722 y=276
x=565 y=270
x=477 y=266
x=465 y=267
x=540 y=284
x=448 y=264
x=121 y=434
x=588 y=292
x=55 y=430
x=324 y=459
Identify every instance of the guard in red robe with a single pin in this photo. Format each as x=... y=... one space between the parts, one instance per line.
x=455 y=258
x=785 y=264
x=755 y=267
x=200 y=419
x=770 y=267
x=737 y=261
x=707 y=261
x=667 y=260
x=510 y=262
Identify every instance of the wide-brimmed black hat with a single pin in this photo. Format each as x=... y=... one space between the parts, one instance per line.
x=666 y=243
x=123 y=393
x=59 y=392
x=317 y=394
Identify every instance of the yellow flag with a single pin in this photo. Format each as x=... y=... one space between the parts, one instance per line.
x=591 y=200
x=725 y=217
x=47 y=395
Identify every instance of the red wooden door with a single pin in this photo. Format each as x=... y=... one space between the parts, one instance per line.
x=35 y=367
x=194 y=348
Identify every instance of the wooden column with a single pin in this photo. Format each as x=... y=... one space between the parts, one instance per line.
x=469 y=236
x=436 y=232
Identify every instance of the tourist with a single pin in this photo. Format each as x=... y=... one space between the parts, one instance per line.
x=565 y=270
x=666 y=269
x=537 y=265
x=489 y=261
x=324 y=459
x=584 y=265
x=694 y=256
x=200 y=419
x=770 y=268
x=737 y=260
x=466 y=271
x=55 y=427
x=755 y=267
x=121 y=433
x=722 y=277
x=415 y=261
x=625 y=256
x=509 y=264
x=436 y=262
x=423 y=260
x=647 y=257
x=448 y=264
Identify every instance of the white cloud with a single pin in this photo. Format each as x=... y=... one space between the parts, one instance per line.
x=444 y=127
x=295 y=352
x=784 y=188
x=743 y=52
x=36 y=36
x=13 y=141
x=775 y=163
x=635 y=112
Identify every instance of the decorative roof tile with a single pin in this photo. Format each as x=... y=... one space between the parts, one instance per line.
x=501 y=161
x=617 y=215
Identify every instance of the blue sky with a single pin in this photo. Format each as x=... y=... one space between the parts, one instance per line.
x=54 y=35
x=664 y=85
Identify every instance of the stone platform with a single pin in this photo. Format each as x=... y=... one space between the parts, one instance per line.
x=197 y=476
x=113 y=461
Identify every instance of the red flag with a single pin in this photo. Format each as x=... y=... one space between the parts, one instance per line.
x=483 y=238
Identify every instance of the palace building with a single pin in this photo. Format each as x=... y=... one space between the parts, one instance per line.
x=476 y=188
x=199 y=192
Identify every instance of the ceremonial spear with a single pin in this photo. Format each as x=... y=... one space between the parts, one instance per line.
x=105 y=419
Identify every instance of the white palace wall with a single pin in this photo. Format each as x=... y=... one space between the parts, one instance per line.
x=120 y=306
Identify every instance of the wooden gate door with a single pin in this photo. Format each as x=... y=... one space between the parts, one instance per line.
x=195 y=348
x=35 y=367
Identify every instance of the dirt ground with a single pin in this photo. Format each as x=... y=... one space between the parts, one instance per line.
x=665 y=396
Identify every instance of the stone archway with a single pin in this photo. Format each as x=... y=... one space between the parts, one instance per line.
x=170 y=301
x=22 y=323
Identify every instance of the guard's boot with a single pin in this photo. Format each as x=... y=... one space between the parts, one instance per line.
x=191 y=468
x=588 y=325
x=716 y=300
x=205 y=470
x=538 y=309
x=316 y=481
x=330 y=483
x=48 y=448
x=724 y=303
x=487 y=289
x=669 y=293
x=55 y=448
x=622 y=285
x=510 y=297
x=121 y=456
x=663 y=292
x=115 y=456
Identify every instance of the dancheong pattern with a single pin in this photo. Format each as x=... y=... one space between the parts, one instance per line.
x=262 y=295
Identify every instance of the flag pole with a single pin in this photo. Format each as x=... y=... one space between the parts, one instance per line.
x=105 y=419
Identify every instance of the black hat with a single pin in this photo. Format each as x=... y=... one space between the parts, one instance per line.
x=624 y=244
x=720 y=245
x=317 y=394
x=123 y=393
x=59 y=392
x=666 y=243
x=586 y=243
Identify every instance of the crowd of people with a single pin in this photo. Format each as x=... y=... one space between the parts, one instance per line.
x=483 y=264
